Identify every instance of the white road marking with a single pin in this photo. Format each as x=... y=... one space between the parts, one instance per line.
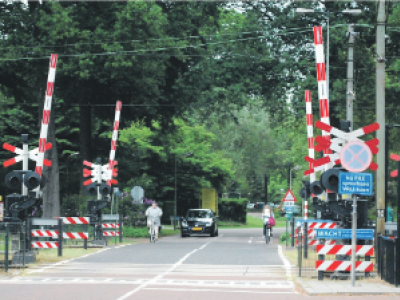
x=286 y=263
x=176 y=265
x=215 y=290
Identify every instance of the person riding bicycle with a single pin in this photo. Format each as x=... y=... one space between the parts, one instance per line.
x=268 y=218
x=154 y=214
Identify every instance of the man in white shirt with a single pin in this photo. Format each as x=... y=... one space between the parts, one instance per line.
x=154 y=214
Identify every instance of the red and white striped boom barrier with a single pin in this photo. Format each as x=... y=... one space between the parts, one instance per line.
x=46 y=114
x=361 y=250
x=326 y=265
x=111 y=162
x=321 y=77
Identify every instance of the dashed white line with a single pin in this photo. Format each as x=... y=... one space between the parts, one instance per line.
x=286 y=263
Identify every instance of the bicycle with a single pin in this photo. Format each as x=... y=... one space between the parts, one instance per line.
x=267 y=230
x=152 y=231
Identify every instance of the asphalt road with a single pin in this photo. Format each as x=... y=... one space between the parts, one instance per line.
x=235 y=265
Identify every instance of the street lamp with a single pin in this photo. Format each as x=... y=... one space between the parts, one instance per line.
x=187 y=154
x=68 y=157
x=290 y=175
x=327 y=16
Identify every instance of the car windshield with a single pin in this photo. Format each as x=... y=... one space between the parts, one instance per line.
x=192 y=214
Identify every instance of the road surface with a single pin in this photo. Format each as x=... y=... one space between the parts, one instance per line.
x=235 y=265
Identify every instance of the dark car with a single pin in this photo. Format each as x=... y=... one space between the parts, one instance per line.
x=199 y=221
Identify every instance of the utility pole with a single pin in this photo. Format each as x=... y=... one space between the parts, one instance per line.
x=266 y=188
x=380 y=116
x=350 y=95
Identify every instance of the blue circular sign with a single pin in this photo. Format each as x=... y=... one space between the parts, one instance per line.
x=355 y=156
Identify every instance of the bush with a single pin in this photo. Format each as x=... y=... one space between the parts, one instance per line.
x=285 y=236
x=232 y=211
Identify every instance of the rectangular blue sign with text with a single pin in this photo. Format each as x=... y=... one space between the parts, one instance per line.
x=336 y=234
x=355 y=183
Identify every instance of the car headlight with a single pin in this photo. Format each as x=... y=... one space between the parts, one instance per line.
x=184 y=224
x=208 y=224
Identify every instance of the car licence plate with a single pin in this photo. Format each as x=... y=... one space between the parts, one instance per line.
x=197 y=228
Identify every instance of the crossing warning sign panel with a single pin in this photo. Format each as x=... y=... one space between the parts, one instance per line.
x=289 y=197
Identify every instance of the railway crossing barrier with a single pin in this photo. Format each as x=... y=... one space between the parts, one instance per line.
x=114 y=225
x=56 y=232
x=323 y=265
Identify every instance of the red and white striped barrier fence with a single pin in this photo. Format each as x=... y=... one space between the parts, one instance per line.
x=44 y=245
x=110 y=233
x=54 y=233
x=313 y=242
x=76 y=220
x=361 y=250
x=327 y=265
x=322 y=225
x=110 y=225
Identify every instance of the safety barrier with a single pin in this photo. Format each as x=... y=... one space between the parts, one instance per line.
x=58 y=234
x=112 y=222
x=323 y=265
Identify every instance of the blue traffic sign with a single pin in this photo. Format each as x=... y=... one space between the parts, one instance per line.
x=356 y=156
x=289 y=215
x=336 y=234
x=289 y=208
x=355 y=183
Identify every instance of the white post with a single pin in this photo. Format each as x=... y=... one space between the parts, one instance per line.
x=25 y=159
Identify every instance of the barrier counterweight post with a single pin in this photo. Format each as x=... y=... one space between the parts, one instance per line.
x=6 y=248
x=120 y=228
x=85 y=229
x=305 y=240
x=60 y=236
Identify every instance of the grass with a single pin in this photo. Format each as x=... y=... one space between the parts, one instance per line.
x=51 y=255
x=143 y=232
x=251 y=222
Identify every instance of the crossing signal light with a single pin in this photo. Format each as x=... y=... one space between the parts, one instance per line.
x=305 y=190
x=316 y=188
x=330 y=179
x=32 y=180
x=91 y=189
x=13 y=180
x=105 y=189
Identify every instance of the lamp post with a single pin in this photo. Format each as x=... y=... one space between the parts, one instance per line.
x=76 y=153
x=327 y=14
x=290 y=175
x=188 y=154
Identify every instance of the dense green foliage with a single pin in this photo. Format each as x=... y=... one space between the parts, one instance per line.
x=224 y=81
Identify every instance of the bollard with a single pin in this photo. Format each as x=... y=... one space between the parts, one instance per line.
x=115 y=232
x=292 y=230
x=120 y=228
x=321 y=273
x=60 y=236
x=7 y=236
x=286 y=234
x=395 y=263
x=85 y=229
x=299 y=251
x=305 y=239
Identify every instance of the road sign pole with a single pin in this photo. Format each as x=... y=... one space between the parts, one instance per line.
x=398 y=199
x=354 y=242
